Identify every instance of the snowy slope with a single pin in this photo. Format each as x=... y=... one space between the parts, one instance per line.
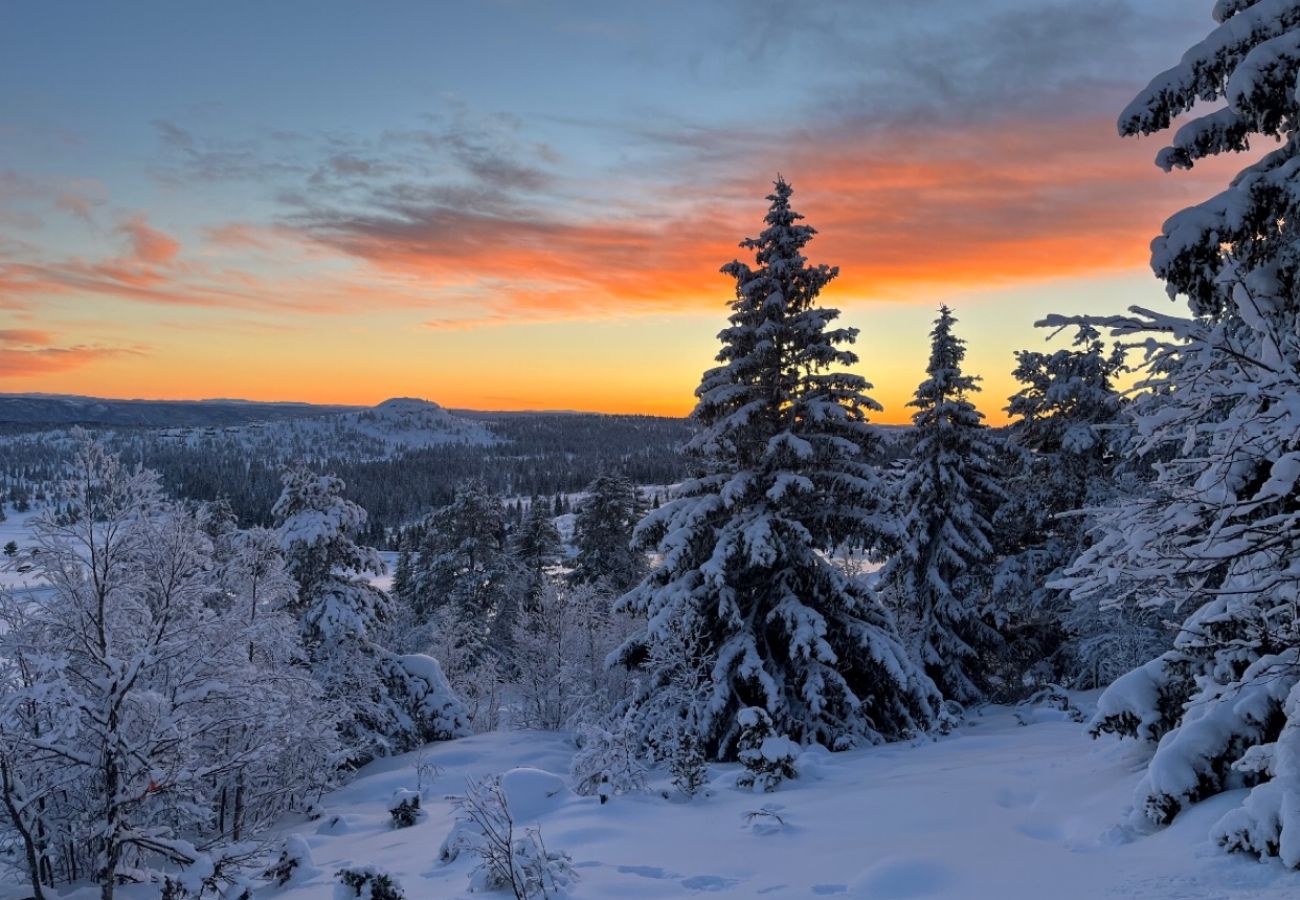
x=17 y=528
x=408 y=422
x=996 y=811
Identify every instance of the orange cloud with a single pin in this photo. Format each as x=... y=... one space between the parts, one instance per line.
x=149 y=245
x=901 y=211
x=23 y=363
x=24 y=336
x=1006 y=203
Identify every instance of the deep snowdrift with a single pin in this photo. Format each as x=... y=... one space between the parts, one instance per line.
x=995 y=811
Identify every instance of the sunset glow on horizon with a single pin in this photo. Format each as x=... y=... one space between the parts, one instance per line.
x=517 y=206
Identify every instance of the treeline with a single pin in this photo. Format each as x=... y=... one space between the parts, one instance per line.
x=538 y=453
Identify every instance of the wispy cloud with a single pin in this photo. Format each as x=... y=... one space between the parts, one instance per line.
x=48 y=360
x=25 y=352
x=937 y=145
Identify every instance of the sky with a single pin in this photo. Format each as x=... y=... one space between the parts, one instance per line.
x=516 y=204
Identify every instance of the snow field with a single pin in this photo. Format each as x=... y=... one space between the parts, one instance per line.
x=996 y=811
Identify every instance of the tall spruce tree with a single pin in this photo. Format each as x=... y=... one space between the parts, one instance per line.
x=466 y=574
x=536 y=546
x=1220 y=532
x=536 y=542
x=744 y=611
x=938 y=578
x=464 y=559
x=602 y=534
x=1067 y=430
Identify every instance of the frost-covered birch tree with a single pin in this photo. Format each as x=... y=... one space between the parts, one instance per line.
x=139 y=688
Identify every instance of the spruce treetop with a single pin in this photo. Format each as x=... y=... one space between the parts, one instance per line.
x=782 y=365
x=942 y=395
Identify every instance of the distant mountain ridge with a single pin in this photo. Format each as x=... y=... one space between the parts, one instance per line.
x=60 y=410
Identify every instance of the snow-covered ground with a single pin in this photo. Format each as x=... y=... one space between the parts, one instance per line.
x=995 y=811
x=17 y=528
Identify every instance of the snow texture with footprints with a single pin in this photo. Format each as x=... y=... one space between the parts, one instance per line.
x=997 y=810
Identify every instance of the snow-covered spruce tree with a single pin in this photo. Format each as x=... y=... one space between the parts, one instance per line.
x=602 y=535
x=742 y=593
x=536 y=542
x=390 y=702
x=938 y=577
x=404 y=572
x=467 y=589
x=1219 y=534
x=465 y=567
x=1068 y=410
x=536 y=547
x=138 y=688
x=1067 y=438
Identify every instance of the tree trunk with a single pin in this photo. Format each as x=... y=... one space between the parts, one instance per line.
x=29 y=844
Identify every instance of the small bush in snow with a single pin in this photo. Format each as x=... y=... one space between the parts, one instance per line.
x=768 y=757
x=295 y=858
x=426 y=771
x=508 y=858
x=686 y=763
x=765 y=820
x=367 y=883
x=1053 y=697
x=607 y=764
x=405 y=808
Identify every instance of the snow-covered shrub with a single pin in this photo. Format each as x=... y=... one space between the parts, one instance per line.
x=768 y=757
x=1147 y=702
x=173 y=890
x=686 y=762
x=1049 y=697
x=367 y=883
x=765 y=820
x=606 y=763
x=1210 y=703
x=293 y=864
x=509 y=857
x=1198 y=758
x=1103 y=644
x=433 y=711
x=426 y=771
x=562 y=638
x=404 y=808
x=1268 y=822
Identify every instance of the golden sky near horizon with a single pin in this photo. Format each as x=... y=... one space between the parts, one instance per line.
x=319 y=209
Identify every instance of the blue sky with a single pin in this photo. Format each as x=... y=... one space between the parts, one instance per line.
x=219 y=199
